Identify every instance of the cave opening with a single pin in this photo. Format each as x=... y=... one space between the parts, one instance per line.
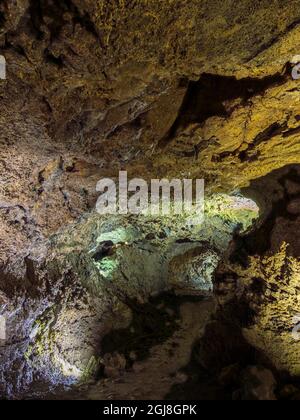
x=160 y=273
x=278 y=195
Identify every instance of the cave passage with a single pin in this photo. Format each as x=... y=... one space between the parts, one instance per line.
x=133 y=306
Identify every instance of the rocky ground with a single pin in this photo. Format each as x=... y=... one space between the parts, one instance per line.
x=164 y=368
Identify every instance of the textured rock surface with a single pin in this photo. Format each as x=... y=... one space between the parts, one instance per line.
x=160 y=88
x=262 y=276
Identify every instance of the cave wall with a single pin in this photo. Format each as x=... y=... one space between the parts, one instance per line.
x=160 y=88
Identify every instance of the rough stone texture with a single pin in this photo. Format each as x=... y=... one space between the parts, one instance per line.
x=269 y=288
x=248 y=140
x=160 y=88
x=194 y=270
x=257 y=287
x=259 y=385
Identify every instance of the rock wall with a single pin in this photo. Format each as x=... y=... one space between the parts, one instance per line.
x=161 y=88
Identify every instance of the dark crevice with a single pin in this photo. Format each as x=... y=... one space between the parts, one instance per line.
x=19 y=50
x=50 y=58
x=206 y=98
x=200 y=147
x=16 y=48
x=2 y=19
x=104 y=250
x=273 y=41
x=55 y=10
x=272 y=131
x=291 y=132
x=152 y=324
x=249 y=154
x=259 y=242
x=36 y=18
x=222 y=346
x=86 y=23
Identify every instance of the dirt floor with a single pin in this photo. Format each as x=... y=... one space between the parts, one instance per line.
x=156 y=376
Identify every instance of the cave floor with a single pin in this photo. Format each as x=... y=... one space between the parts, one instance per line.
x=155 y=377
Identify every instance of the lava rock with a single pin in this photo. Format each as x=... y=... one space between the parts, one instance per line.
x=114 y=365
x=258 y=384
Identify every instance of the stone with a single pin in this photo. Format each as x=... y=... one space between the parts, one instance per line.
x=138 y=367
x=289 y=392
x=114 y=365
x=230 y=375
x=181 y=377
x=193 y=271
x=258 y=384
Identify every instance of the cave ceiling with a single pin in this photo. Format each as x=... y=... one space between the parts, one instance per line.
x=111 y=85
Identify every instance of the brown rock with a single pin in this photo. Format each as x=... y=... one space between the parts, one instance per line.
x=258 y=384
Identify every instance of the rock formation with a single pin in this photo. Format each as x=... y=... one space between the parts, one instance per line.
x=196 y=89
